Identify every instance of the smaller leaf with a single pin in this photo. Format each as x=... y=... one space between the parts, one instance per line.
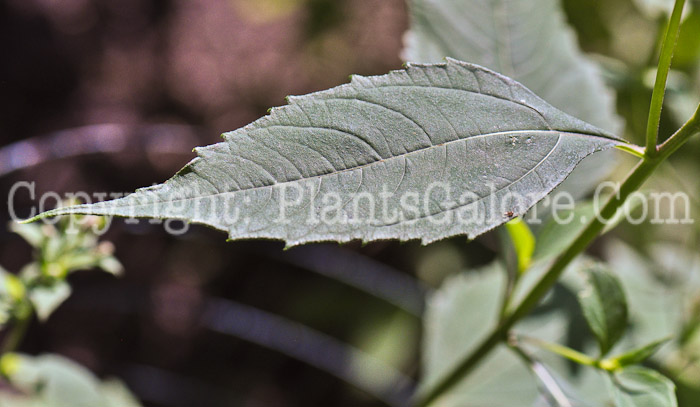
x=47 y=299
x=604 y=306
x=523 y=242
x=638 y=386
x=639 y=355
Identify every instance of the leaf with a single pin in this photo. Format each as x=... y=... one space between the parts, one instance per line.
x=12 y=291
x=31 y=233
x=46 y=299
x=559 y=231
x=470 y=298
x=441 y=141
x=638 y=386
x=528 y=41
x=639 y=355
x=604 y=306
x=523 y=242
x=656 y=9
x=457 y=318
x=662 y=286
x=54 y=381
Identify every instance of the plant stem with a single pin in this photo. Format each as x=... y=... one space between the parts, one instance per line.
x=689 y=129
x=561 y=350
x=634 y=180
x=657 y=96
x=16 y=333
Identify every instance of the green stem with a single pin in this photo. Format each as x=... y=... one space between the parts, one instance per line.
x=689 y=129
x=16 y=333
x=657 y=96
x=561 y=350
x=634 y=180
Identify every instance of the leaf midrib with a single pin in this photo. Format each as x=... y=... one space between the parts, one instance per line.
x=515 y=132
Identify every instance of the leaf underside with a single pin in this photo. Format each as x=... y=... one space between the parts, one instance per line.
x=309 y=171
x=530 y=42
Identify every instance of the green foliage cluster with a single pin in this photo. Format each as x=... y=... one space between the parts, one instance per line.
x=39 y=289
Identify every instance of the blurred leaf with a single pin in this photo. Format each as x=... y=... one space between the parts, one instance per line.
x=523 y=242
x=639 y=355
x=11 y=288
x=502 y=36
x=54 y=381
x=457 y=317
x=638 y=386
x=389 y=339
x=658 y=8
x=32 y=233
x=561 y=230
x=529 y=41
x=660 y=299
x=604 y=306
x=453 y=122
x=687 y=51
x=473 y=300
x=12 y=291
x=111 y=265
x=47 y=298
x=117 y=394
x=66 y=247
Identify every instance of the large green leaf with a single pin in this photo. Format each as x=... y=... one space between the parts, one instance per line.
x=375 y=158
x=530 y=42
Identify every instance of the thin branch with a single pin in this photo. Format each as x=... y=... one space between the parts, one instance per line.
x=657 y=96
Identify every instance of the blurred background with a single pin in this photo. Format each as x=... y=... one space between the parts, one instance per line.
x=109 y=96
